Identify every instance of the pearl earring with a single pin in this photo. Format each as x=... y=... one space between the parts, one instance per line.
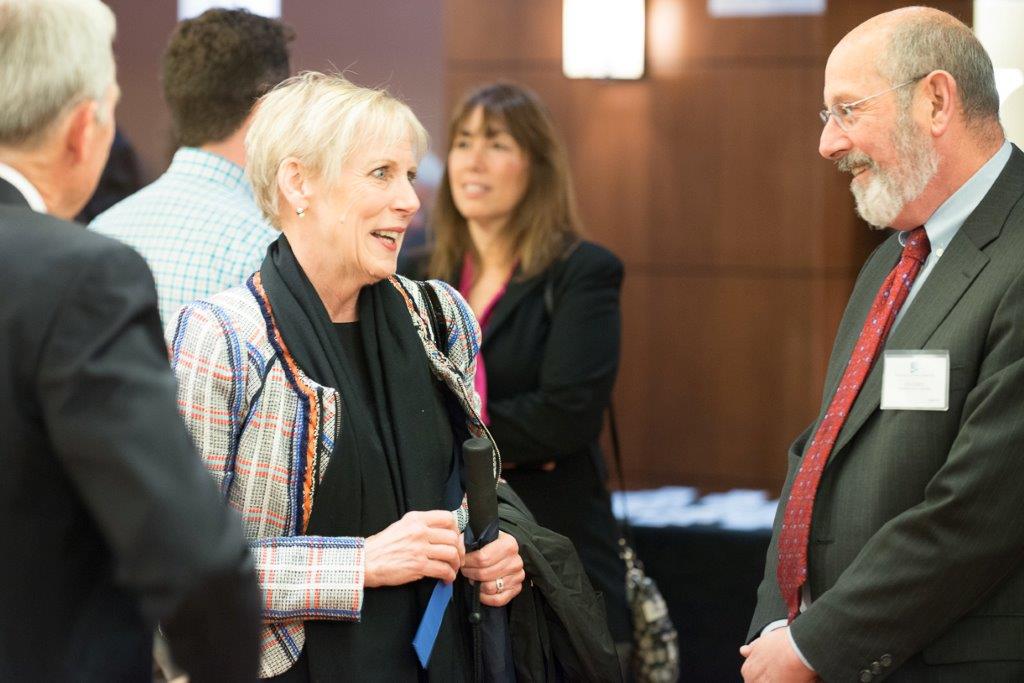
x=300 y=212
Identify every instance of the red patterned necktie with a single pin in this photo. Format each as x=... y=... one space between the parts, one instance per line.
x=796 y=523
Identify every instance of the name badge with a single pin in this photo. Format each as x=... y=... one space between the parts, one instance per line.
x=915 y=380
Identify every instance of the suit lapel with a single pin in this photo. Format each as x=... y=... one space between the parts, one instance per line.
x=946 y=284
x=874 y=273
x=517 y=289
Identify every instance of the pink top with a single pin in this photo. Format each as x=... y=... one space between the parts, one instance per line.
x=465 y=284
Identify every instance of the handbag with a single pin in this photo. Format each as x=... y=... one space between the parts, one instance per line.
x=655 y=656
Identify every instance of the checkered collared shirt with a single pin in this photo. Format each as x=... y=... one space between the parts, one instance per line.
x=197 y=226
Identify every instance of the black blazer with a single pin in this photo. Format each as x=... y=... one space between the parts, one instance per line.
x=550 y=375
x=111 y=522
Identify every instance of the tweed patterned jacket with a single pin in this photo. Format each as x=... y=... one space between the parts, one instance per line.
x=266 y=432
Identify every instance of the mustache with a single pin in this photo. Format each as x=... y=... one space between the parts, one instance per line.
x=854 y=160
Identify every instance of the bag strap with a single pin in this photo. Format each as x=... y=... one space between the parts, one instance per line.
x=625 y=526
x=438 y=324
x=439 y=328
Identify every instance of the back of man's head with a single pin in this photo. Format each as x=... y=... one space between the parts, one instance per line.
x=923 y=40
x=54 y=54
x=215 y=68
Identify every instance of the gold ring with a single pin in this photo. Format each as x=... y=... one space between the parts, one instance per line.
x=499 y=583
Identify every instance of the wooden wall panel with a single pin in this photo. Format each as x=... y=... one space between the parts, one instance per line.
x=142 y=32
x=493 y=32
x=398 y=44
x=740 y=243
x=758 y=151
x=704 y=38
x=696 y=362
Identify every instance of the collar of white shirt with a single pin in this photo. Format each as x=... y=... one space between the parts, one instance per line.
x=26 y=188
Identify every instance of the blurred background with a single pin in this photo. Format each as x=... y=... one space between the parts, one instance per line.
x=740 y=243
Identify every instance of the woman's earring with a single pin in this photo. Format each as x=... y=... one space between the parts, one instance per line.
x=300 y=212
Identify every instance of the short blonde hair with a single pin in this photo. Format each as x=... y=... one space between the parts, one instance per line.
x=320 y=119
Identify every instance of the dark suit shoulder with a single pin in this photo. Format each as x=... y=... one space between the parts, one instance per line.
x=25 y=233
x=51 y=253
x=886 y=248
x=48 y=266
x=591 y=260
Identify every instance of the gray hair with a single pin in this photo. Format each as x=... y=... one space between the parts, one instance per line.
x=922 y=42
x=54 y=54
x=320 y=119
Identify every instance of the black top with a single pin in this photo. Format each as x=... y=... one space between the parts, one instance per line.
x=551 y=367
x=550 y=374
x=352 y=342
x=392 y=453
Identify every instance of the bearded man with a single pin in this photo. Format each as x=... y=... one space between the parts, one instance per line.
x=897 y=550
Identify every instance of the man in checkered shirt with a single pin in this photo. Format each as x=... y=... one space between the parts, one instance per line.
x=197 y=225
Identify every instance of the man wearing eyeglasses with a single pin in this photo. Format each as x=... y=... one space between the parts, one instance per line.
x=898 y=546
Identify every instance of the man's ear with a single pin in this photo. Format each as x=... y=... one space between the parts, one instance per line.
x=79 y=128
x=942 y=95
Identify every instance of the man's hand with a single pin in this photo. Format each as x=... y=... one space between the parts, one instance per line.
x=772 y=659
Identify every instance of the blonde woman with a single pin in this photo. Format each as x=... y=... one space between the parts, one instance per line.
x=311 y=394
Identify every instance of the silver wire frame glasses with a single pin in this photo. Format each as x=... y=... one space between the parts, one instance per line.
x=842 y=112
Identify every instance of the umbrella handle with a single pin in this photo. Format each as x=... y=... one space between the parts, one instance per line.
x=490 y=533
x=483 y=507
x=475 y=614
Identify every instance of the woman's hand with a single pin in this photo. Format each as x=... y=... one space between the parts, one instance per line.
x=421 y=544
x=498 y=568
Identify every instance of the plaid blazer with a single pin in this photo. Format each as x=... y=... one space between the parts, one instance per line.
x=266 y=432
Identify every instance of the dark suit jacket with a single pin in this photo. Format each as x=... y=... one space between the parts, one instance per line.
x=111 y=522
x=916 y=546
x=549 y=379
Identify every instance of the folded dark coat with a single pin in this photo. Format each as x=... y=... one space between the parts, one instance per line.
x=557 y=624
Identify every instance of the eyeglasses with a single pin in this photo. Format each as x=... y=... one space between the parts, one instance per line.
x=843 y=111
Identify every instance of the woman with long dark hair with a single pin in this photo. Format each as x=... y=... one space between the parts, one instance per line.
x=506 y=233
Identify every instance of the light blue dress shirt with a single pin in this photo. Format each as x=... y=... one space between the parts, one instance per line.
x=197 y=226
x=947 y=219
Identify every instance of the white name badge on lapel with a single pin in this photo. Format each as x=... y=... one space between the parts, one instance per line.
x=915 y=380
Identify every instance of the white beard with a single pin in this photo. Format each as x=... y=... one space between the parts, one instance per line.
x=881 y=199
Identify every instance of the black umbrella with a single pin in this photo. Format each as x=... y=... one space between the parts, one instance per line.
x=492 y=647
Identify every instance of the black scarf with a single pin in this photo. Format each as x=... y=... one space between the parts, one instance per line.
x=391 y=457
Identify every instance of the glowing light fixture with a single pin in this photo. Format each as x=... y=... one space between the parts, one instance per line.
x=603 y=38
x=193 y=8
